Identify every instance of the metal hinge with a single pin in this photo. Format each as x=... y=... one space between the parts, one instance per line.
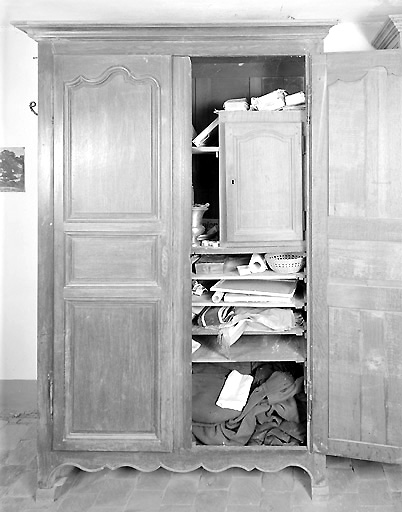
x=50 y=389
x=304 y=220
x=309 y=401
x=309 y=94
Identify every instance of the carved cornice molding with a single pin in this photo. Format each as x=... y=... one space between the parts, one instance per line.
x=390 y=34
x=307 y=29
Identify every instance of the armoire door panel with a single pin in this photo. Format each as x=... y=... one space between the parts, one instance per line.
x=356 y=221
x=108 y=175
x=366 y=110
x=113 y=249
x=112 y=259
x=113 y=371
x=364 y=260
x=365 y=376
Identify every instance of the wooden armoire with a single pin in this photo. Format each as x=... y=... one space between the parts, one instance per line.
x=117 y=107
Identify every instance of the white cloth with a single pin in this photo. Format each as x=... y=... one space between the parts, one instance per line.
x=235 y=391
x=195 y=345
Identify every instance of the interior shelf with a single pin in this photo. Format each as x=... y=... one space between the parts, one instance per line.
x=253 y=348
x=272 y=248
x=297 y=302
x=269 y=275
x=204 y=149
x=205 y=331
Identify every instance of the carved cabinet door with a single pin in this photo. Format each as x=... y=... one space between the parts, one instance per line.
x=112 y=252
x=356 y=229
x=261 y=185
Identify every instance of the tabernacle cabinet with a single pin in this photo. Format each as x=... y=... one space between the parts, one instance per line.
x=117 y=104
x=261 y=184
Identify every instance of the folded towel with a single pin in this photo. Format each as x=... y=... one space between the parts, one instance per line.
x=235 y=391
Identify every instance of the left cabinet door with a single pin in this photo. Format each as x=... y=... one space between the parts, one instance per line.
x=113 y=388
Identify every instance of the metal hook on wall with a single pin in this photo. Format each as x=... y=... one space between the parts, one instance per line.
x=32 y=105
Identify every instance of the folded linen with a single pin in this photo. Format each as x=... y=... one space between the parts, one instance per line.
x=235 y=392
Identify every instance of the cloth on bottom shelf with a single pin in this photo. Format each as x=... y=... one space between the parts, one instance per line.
x=207 y=382
x=270 y=416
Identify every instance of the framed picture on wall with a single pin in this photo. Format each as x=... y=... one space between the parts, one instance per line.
x=12 y=169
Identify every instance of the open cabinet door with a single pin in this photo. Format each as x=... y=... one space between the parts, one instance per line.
x=356 y=248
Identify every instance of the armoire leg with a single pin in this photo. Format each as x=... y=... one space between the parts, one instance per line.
x=319 y=480
x=57 y=483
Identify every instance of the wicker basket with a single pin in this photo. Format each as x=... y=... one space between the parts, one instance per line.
x=285 y=263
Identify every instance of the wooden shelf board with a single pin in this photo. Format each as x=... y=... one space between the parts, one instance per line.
x=253 y=348
x=298 y=302
x=204 y=149
x=272 y=248
x=269 y=275
x=211 y=331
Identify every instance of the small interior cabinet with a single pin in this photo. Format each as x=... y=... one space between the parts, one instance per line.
x=118 y=175
x=261 y=178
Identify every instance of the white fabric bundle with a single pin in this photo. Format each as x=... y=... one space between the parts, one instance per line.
x=235 y=391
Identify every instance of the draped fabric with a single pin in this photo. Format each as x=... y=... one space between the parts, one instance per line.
x=271 y=415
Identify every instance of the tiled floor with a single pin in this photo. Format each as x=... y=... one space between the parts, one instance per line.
x=354 y=486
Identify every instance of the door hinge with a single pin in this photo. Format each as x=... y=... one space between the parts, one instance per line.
x=50 y=389
x=309 y=402
x=304 y=220
x=309 y=95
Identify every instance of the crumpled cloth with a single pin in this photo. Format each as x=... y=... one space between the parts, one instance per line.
x=269 y=404
x=269 y=319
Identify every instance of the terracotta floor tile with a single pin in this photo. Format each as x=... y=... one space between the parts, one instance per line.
x=374 y=493
x=368 y=470
x=10 y=436
x=9 y=474
x=280 y=481
x=342 y=480
x=221 y=480
x=24 y=453
x=115 y=492
x=77 y=503
x=393 y=475
x=24 y=486
x=158 y=479
x=175 y=508
x=275 y=501
x=245 y=491
x=211 y=501
x=181 y=490
x=16 y=504
x=142 y=500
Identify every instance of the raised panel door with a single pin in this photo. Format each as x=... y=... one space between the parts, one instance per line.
x=113 y=387
x=261 y=178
